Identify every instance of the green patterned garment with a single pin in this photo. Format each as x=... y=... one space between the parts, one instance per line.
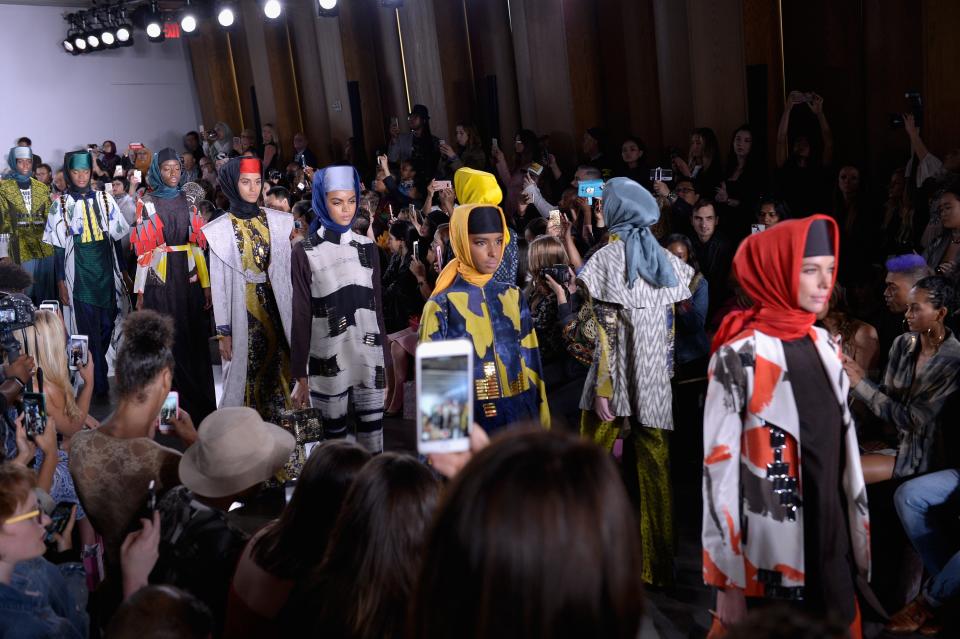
x=25 y=227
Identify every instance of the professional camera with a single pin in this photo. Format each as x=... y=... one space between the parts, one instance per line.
x=916 y=108
x=16 y=312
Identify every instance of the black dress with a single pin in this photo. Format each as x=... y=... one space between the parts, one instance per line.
x=182 y=300
x=828 y=561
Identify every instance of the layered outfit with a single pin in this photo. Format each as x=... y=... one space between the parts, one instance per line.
x=785 y=505
x=913 y=401
x=630 y=286
x=338 y=327
x=171 y=277
x=24 y=202
x=467 y=304
x=85 y=227
x=252 y=296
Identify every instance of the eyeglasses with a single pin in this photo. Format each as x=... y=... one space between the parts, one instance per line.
x=33 y=514
x=685 y=190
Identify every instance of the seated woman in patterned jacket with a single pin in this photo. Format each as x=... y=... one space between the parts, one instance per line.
x=469 y=303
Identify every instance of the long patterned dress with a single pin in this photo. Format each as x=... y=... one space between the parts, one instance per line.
x=268 y=353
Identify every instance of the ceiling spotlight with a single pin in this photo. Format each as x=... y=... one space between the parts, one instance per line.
x=153 y=23
x=272 y=9
x=80 y=43
x=225 y=17
x=68 y=46
x=123 y=33
x=107 y=38
x=93 y=40
x=188 y=19
x=327 y=8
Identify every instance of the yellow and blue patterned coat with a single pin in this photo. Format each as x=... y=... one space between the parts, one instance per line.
x=508 y=380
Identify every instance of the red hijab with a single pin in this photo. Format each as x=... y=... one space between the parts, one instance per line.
x=767 y=267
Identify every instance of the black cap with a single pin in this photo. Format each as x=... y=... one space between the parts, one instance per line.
x=167 y=154
x=819 y=240
x=484 y=219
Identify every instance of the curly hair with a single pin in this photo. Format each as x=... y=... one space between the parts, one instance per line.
x=145 y=352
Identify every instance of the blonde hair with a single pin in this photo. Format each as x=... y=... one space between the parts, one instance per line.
x=46 y=340
x=544 y=251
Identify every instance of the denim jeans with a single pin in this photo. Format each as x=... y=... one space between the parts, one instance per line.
x=929 y=507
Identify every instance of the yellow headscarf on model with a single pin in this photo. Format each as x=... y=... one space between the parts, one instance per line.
x=476 y=187
x=462 y=263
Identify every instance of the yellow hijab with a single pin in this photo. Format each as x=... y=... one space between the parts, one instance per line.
x=462 y=263
x=476 y=187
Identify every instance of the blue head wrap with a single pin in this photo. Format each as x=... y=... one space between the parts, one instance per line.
x=630 y=210
x=332 y=178
x=16 y=153
x=155 y=180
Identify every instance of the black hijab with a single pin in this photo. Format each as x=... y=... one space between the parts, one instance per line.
x=229 y=178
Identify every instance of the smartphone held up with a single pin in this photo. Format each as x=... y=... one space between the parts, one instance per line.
x=444 y=396
x=169 y=412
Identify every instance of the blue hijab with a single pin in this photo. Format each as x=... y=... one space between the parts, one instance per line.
x=23 y=181
x=630 y=210
x=332 y=178
x=155 y=180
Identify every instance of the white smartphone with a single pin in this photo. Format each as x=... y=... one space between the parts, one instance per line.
x=50 y=305
x=444 y=396
x=78 y=352
x=137 y=175
x=416 y=249
x=118 y=172
x=757 y=228
x=169 y=412
x=496 y=144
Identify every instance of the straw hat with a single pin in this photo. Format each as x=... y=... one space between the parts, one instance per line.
x=235 y=450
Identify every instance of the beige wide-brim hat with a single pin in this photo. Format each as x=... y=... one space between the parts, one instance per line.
x=235 y=450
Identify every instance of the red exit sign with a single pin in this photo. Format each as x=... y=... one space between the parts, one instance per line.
x=171 y=30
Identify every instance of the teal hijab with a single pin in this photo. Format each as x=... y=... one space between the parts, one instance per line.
x=154 y=179
x=17 y=152
x=630 y=211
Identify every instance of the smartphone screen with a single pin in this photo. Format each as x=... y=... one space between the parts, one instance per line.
x=288 y=489
x=444 y=396
x=58 y=520
x=416 y=249
x=34 y=414
x=757 y=228
x=169 y=412
x=78 y=352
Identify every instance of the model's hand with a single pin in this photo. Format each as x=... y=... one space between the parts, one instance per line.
x=226 y=348
x=301 y=393
x=601 y=406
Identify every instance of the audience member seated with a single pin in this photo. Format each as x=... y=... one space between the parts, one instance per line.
x=113 y=465
x=903 y=272
x=922 y=374
x=286 y=550
x=771 y=212
x=502 y=538
x=418 y=145
x=235 y=452
x=527 y=150
x=703 y=164
x=803 y=155
x=858 y=340
x=743 y=181
x=364 y=585
x=302 y=153
x=161 y=612
x=401 y=294
x=714 y=252
x=278 y=198
x=943 y=254
x=37 y=598
x=593 y=147
x=691 y=348
x=679 y=203
x=633 y=156
x=928 y=507
x=467 y=152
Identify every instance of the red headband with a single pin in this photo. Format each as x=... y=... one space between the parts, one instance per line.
x=250 y=165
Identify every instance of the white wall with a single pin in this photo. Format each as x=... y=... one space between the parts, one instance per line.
x=144 y=93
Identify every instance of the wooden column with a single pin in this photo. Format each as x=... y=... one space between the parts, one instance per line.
x=491 y=51
x=673 y=69
x=418 y=30
x=941 y=68
x=309 y=79
x=453 y=45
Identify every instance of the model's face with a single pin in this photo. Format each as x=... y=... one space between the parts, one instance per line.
x=80 y=177
x=921 y=314
x=687 y=193
x=170 y=172
x=768 y=214
x=896 y=292
x=705 y=222
x=630 y=152
x=816 y=281
x=462 y=137
x=342 y=206
x=849 y=180
x=24 y=166
x=680 y=250
x=949 y=208
x=249 y=186
x=23 y=540
x=485 y=251
x=43 y=174
x=742 y=142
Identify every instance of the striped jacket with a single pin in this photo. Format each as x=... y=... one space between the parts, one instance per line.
x=752 y=484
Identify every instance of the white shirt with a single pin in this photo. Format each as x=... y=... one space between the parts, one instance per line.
x=27 y=194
